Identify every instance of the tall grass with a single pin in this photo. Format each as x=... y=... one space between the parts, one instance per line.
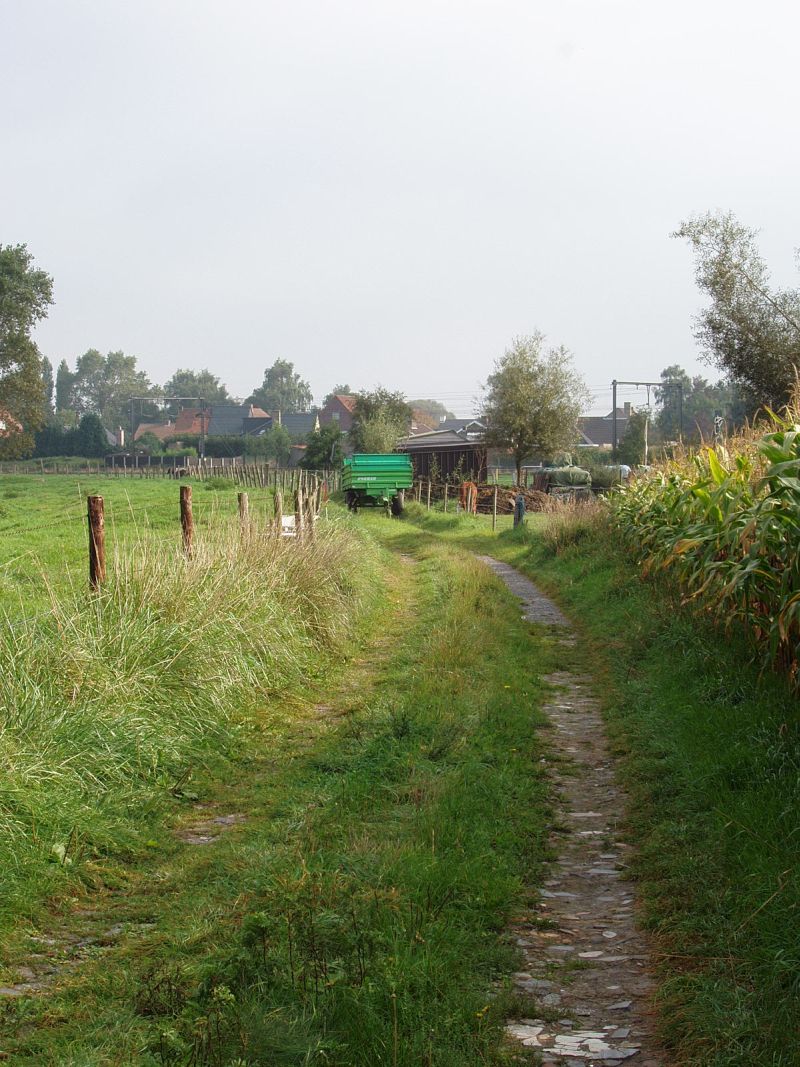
x=107 y=701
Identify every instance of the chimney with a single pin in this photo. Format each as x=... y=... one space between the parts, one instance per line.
x=627 y=409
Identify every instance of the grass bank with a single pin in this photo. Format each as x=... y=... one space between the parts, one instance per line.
x=710 y=751
x=110 y=704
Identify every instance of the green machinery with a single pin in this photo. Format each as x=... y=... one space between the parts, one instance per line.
x=375 y=481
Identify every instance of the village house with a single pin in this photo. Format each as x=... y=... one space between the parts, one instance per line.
x=597 y=431
x=339 y=410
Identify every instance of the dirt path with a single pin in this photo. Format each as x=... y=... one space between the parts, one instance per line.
x=586 y=961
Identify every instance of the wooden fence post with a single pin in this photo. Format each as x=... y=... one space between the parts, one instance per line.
x=97 y=541
x=298 y=512
x=187 y=519
x=244 y=514
x=446 y=487
x=429 y=494
x=494 y=508
x=278 y=513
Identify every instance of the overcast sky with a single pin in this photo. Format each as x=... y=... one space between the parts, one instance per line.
x=390 y=191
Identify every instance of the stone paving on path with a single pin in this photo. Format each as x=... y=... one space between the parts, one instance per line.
x=586 y=961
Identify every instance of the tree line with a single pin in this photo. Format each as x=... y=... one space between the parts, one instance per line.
x=750 y=331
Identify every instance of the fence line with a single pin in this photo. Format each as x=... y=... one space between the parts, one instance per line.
x=254 y=475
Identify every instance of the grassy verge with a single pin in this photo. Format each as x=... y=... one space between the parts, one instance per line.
x=357 y=915
x=710 y=752
x=111 y=703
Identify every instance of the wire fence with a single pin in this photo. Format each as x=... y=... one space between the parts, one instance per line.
x=253 y=475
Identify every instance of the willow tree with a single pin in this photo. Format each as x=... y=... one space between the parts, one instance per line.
x=533 y=399
x=25 y=295
x=750 y=329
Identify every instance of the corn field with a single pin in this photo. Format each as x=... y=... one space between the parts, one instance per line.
x=726 y=526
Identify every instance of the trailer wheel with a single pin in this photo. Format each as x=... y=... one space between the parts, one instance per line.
x=398 y=503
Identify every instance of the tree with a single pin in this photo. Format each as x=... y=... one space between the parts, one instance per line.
x=750 y=331
x=103 y=385
x=202 y=384
x=533 y=400
x=324 y=448
x=282 y=390
x=92 y=440
x=701 y=402
x=148 y=442
x=432 y=407
x=64 y=382
x=380 y=419
x=632 y=449
x=48 y=384
x=274 y=443
x=25 y=295
x=338 y=390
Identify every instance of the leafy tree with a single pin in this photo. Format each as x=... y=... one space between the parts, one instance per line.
x=282 y=390
x=91 y=437
x=64 y=382
x=48 y=383
x=380 y=419
x=200 y=383
x=338 y=390
x=533 y=400
x=86 y=439
x=148 y=443
x=432 y=407
x=103 y=385
x=25 y=295
x=324 y=449
x=750 y=330
x=702 y=400
x=631 y=449
x=275 y=444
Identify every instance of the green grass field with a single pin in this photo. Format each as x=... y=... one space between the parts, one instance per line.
x=43 y=531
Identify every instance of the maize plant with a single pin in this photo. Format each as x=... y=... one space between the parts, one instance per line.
x=728 y=530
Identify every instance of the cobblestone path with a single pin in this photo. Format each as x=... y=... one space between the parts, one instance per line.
x=587 y=963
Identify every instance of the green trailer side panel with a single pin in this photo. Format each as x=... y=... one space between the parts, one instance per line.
x=377 y=475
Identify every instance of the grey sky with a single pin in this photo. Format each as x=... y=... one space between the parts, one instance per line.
x=389 y=191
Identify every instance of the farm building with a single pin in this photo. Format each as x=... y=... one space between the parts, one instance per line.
x=445 y=453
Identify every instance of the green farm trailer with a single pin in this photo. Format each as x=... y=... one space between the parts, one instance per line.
x=375 y=481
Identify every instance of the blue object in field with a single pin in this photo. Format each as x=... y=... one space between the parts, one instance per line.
x=519 y=509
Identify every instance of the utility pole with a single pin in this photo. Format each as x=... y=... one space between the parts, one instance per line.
x=647 y=385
